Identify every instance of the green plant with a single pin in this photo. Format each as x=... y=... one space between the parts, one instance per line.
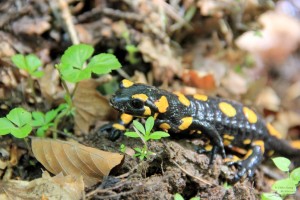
x=144 y=133
x=30 y=64
x=132 y=50
x=77 y=64
x=285 y=186
x=178 y=196
x=17 y=122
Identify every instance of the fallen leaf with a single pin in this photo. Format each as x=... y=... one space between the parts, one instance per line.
x=276 y=41
x=57 y=187
x=235 y=83
x=268 y=99
x=49 y=83
x=29 y=25
x=162 y=57
x=75 y=159
x=194 y=78
x=90 y=106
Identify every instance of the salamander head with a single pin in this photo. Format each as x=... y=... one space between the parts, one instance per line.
x=136 y=99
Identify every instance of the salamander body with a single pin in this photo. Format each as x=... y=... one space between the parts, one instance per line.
x=225 y=123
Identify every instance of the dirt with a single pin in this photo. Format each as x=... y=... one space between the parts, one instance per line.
x=175 y=168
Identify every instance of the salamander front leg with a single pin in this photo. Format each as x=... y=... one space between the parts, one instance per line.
x=251 y=161
x=214 y=137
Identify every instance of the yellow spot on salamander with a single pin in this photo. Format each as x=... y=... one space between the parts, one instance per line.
x=227 y=109
x=182 y=99
x=295 y=144
x=186 y=122
x=162 y=104
x=200 y=97
x=226 y=142
x=155 y=115
x=147 y=111
x=126 y=119
x=273 y=131
x=270 y=153
x=119 y=126
x=249 y=152
x=261 y=144
x=250 y=115
x=229 y=137
x=127 y=83
x=234 y=158
x=165 y=126
x=208 y=147
x=247 y=141
x=142 y=97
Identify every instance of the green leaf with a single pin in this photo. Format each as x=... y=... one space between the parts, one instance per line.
x=131 y=48
x=103 y=63
x=270 y=196
x=284 y=187
x=21 y=132
x=19 y=116
x=38 y=119
x=195 y=198
x=137 y=149
x=178 y=196
x=149 y=124
x=295 y=175
x=19 y=61
x=37 y=74
x=32 y=62
x=139 y=126
x=5 y=126
x=50 y=115
x=158 y=135
x=282 y=163
x=76 y=55
x=41 y=131
x=74 y=75
x=131 y=134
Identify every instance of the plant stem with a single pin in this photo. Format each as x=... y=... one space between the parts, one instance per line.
x=31 y=85
x=56 y=121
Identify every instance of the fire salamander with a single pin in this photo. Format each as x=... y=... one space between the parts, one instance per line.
x=225 y=123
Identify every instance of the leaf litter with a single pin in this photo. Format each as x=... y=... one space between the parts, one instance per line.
x=187 y=46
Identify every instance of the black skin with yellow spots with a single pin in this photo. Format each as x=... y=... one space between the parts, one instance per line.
x=225 y=123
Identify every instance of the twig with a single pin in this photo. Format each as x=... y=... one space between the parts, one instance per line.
x=67 y=17
x=110 y=12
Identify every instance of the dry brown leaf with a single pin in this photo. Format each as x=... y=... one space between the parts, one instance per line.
x=29 y=25
x=75 y=159
x=164 y=60
x=58 y=187
x=268 y=99
x=235 y=83
x=49 y=83
x=90 y=106
x=276 y=41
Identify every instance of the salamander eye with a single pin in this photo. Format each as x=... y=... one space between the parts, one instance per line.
x=136 y=103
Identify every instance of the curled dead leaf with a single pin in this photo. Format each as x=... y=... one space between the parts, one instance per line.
x=75 y=159
x=57 y=187
x=90 y=106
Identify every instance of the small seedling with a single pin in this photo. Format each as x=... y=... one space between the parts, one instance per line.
x=29 y=63
x=144 y=133
x=74 y=67
x=178 y=196
x=17 y=122
x=132 y=50
x=285 y=186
